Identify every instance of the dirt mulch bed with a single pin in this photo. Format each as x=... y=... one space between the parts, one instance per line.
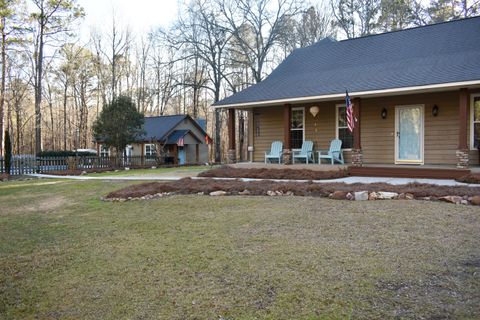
x=189 y=186
x=473 y=178
x=264 y=173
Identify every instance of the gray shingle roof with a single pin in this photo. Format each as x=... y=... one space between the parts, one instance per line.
x=434 y=54
x=161 y=127
x=157 y=127
x=175 y=136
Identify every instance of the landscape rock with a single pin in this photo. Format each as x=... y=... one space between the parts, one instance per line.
x=475 y=200
x=218 y=193
x=361 y=195
x=289 y=193
x=127 y=168
x=451 y=199
x=338 y=195
x=279 y=193
x=350 y=196
x=387 y=195
x=409 y=196
x=465 y=202
x=373 y=196
x=201 y=193
x=271 y=193
x=244 y=192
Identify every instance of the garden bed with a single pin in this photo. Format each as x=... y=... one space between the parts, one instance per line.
x=264 y=173
x=473 y=178
x=261 y=188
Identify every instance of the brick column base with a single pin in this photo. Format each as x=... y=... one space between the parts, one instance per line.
x=231 y=156
x=462 y=159
x=287 y=156
x=357 y=157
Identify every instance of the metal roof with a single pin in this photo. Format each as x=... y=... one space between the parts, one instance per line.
x=441 y=53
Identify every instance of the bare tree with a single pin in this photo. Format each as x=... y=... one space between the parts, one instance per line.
x=256 y=27
x=52 y=18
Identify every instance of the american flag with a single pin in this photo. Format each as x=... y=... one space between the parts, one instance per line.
x=180 y=142
x=350 y=119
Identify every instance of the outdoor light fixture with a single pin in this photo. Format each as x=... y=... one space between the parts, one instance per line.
x=384 y=113
x=435 y=110
x=314 y=111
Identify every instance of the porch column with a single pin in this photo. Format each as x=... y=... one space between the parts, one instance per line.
x=357 y=155
x=287 y=147
x=462 y=150
x=232 y=153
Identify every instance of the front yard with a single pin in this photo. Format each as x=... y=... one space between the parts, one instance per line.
x=64 y=254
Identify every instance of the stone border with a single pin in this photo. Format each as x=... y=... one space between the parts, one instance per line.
x=336 y=195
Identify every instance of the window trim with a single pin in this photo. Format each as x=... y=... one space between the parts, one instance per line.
x=337 y=106
x=145 y=149
x=472 y=120
x=303 y=125
x=101 y=153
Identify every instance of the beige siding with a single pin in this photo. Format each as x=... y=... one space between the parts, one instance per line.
x=378 y=135
x=270 y=128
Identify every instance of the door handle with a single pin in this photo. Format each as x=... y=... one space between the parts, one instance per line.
x=398 y=134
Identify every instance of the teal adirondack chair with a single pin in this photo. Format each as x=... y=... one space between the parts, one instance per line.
x=275 y=152
x=335 y=153
x=305 y=153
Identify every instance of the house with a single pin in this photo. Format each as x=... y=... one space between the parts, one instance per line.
x=177 y=139
x=415 y=94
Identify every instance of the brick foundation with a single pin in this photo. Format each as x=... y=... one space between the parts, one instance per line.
x=357 y=157
x=462 y=159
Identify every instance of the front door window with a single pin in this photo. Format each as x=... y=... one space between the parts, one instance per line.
x=409 y=135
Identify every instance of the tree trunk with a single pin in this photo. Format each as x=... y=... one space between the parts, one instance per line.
x=65 y=89
x=38 y=87
x=2 y=85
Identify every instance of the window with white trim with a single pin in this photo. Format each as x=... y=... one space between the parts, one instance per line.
x=342 y=128
x=475 y=127
x=104 y=151
x=150 y=150
x=297 y=128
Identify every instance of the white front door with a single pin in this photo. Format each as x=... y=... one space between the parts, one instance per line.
x=409 y=134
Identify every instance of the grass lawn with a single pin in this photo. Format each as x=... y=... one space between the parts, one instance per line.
x=64 y=254
x=178 y=171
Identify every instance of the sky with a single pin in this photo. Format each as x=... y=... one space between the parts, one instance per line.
x=140 y=15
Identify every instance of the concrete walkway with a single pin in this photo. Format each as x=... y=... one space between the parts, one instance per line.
x=347 y=180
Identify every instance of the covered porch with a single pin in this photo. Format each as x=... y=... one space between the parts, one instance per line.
x=445 y=129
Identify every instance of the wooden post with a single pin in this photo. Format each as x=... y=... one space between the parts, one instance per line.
x=357 y=154
x=462 y=151
x=357 y=106
x=287 y=118
x=175 y=153
x=142 y=158
x=232 y=154
x=463 y=117
x=197 y=153
x=287 y=142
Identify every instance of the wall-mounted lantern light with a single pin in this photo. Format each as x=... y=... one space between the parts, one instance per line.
x=435 y=110
x=384 y=113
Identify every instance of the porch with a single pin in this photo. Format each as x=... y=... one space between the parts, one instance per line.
x=373 y=170
x=444 y=130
